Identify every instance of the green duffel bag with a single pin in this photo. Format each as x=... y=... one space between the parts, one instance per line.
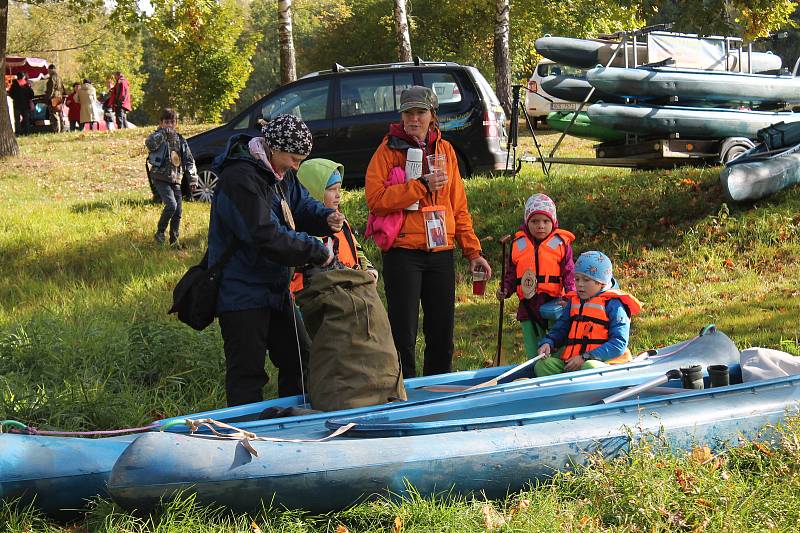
x=353 y=360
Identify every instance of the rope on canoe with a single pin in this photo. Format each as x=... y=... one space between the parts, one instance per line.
x=18 y=427
x=245 y=437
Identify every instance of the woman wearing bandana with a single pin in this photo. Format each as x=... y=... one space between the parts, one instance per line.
x=264 y=218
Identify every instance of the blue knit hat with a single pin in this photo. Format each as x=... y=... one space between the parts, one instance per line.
x=595 y=265
x=334 y=179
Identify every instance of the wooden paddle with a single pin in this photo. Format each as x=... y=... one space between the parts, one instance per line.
x=492 y=382
x=504 y=240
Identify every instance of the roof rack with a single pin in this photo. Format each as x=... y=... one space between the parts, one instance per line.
x=418 y=62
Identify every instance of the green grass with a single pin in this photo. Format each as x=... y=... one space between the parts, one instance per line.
x=85 y=341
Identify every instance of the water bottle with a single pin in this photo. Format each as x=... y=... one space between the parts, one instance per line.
x=413 y=170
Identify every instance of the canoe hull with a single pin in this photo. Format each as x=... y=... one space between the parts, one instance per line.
x=327 y=476
x=582 y=127
x=747 y=180
x=732 y=89
x=691 y=122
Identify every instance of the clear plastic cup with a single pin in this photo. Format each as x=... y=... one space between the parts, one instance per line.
x=437 y=164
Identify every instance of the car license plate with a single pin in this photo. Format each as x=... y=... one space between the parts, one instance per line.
x=569 y=106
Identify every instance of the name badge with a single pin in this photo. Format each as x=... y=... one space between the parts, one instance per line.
x=435 y=226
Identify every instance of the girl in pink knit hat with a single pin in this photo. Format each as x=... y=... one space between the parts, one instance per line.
x=540 y=268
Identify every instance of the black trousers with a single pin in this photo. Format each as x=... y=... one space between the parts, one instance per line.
x=247 y=336
x=411 y=277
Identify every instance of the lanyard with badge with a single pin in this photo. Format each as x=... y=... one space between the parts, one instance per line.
x=287 y=212
x=434 y=215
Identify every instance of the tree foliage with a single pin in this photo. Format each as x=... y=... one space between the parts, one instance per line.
x=205 y=63
x=748 y=19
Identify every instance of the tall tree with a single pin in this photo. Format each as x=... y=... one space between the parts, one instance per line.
x=288 y=69
x=205 y=63
x=8 y=143
x=502 y=66
x=401 y=31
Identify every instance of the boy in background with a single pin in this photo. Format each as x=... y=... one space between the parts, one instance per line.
x=171 y=159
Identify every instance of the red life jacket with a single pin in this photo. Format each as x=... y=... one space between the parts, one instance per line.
x=589 y=323
x=542 y=262
x=347 y=255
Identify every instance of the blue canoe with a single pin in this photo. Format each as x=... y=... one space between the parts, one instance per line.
x=690 y=122
x=506 y=437
x=729 y=88
x=759 y=173
x=60 y=474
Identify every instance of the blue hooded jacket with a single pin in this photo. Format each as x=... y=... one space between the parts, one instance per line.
x=247 y=207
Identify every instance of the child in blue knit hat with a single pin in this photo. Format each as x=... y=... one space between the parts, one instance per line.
x=323 y=179
x=595 y=328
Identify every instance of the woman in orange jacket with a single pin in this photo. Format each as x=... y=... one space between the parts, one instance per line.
x=419 y=267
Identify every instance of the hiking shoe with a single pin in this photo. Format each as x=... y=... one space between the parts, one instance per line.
x=175 y=244
x=159 y=237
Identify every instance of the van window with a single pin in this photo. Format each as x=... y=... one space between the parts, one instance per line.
x=308 y=102
x=243 y=123
x=444 y=85
x=372 y=93
x=554 y=69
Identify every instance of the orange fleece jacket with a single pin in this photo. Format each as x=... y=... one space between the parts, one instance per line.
x=382 y=200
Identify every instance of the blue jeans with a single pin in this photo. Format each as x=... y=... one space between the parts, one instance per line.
x=171 y=196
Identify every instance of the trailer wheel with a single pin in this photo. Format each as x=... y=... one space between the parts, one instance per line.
x=733 y=148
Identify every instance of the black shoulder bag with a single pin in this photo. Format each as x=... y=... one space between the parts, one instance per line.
x=194 y=298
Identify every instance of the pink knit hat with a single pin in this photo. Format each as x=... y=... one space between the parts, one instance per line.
x=540 y=204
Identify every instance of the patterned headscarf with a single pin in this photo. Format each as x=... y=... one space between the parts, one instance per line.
x=287 y=133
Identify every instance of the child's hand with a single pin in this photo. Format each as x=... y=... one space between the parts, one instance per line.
x=374 y=274
x=544 y=350
x=574 y=363
x=501 y=294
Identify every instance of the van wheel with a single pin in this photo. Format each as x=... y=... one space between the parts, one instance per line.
x=207 y=181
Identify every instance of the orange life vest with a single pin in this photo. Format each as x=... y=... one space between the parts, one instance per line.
x=589 y=323
x=542 y=263
x=347 y=255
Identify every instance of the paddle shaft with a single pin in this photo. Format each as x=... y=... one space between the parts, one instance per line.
x=503 y=241
x=633 y=391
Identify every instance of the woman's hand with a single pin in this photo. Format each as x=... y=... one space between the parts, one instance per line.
x=480 y=263
x=335 y=221
x=436 y=181
x=330 y=258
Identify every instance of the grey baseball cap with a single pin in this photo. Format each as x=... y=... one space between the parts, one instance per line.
x=419 y=97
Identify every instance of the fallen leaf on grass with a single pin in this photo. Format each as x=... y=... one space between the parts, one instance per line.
x=398 y=525
x=685 y=480
x=701 y=455
x=704 y=503
x=763 y=449
x=728 y=263
x=584 y=520
x=342 y=529
x=491 y=518
x=255 y=527
x=521 y=505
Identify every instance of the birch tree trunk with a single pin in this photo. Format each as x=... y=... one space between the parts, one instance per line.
x=401 y=31
x=502 y=70
x=288 y=69
x=8 y=143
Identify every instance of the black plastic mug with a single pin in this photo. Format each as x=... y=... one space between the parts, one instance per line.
x=718 y=375
x=692 y=377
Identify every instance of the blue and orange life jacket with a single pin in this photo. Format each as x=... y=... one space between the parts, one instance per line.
x=589 y=323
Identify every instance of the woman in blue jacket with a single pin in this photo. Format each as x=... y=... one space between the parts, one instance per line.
x=263 y=213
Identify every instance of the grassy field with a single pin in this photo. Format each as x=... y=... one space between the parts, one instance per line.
x=85 y=341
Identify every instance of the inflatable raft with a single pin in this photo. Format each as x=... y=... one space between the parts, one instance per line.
x=60 y=474
x=588 y=53
x=691 y=122
x=582 y=127
x=722 y=87
x=759 y=173
x=493 y=441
